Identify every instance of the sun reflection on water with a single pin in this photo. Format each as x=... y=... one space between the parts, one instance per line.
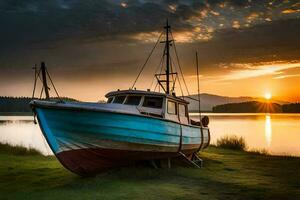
x=268 y=130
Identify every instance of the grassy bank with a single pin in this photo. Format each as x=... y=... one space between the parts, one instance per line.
x=17 y=150
x=226 y=174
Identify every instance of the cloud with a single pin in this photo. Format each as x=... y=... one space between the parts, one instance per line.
x=287 y=76
x=292 y=9
x=197 y=34
x=34 y=21
x=36 y=30
x=251 y=71
x=236 y=24
x=273 y=41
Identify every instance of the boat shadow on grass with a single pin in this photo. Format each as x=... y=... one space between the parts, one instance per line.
x=226 y=174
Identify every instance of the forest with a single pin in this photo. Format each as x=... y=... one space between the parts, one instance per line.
x=20 y=104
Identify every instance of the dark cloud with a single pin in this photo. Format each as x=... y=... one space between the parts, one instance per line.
x=29 y=22
x=77 y=36
x=278 y=40
x=241 y=3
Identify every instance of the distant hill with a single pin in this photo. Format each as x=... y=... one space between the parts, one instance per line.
x=248 y=107
x=19 y=104
x=208 y=101
x=257 y=107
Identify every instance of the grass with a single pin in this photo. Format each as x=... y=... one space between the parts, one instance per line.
x=260 y=152
x=232 y=142
x=227 y=174
x=18 y=150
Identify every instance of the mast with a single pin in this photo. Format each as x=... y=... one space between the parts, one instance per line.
x=167 y=27
x=44 y=77
x=198 y=84
x=164 y=84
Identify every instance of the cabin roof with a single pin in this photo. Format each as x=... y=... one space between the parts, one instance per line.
x=143 y=92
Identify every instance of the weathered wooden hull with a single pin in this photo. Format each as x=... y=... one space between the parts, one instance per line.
x=87 y=141
x=88 y=162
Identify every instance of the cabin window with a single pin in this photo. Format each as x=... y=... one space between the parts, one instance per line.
x=109 y=100
x=153 y=102
x=119 y=99
x=182 y=110
x=133 y=100
x=172 y=108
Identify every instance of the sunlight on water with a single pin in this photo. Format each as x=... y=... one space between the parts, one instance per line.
x=279 y=134
x=268 y=130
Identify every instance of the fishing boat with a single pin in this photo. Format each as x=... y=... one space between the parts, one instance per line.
x=133 y=125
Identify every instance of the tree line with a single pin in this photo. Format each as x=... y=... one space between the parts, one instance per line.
x=257 y=107
x=20 y=104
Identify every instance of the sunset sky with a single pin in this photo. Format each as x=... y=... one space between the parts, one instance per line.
x=91 y=47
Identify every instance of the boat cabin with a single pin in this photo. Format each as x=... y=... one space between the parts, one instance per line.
x=152 y=103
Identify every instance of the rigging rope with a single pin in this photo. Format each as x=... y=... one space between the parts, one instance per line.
x=181 y=90
x=173 y=79
x=179 y=65
x=173 y=87
x=199 y=105
x=41 y=92
x=146 y=60
x=160 y=64
x=163 y=57
x=53 y=85
x=35 y=79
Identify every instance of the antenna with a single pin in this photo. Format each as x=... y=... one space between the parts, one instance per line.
x=167 y=27
x=198 y=83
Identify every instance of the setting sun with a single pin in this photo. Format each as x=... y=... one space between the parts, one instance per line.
x=268 y=95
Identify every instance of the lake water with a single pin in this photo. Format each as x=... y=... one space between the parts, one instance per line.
x=279 y=134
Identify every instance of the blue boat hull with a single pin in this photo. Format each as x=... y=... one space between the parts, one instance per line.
x=88 y=142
